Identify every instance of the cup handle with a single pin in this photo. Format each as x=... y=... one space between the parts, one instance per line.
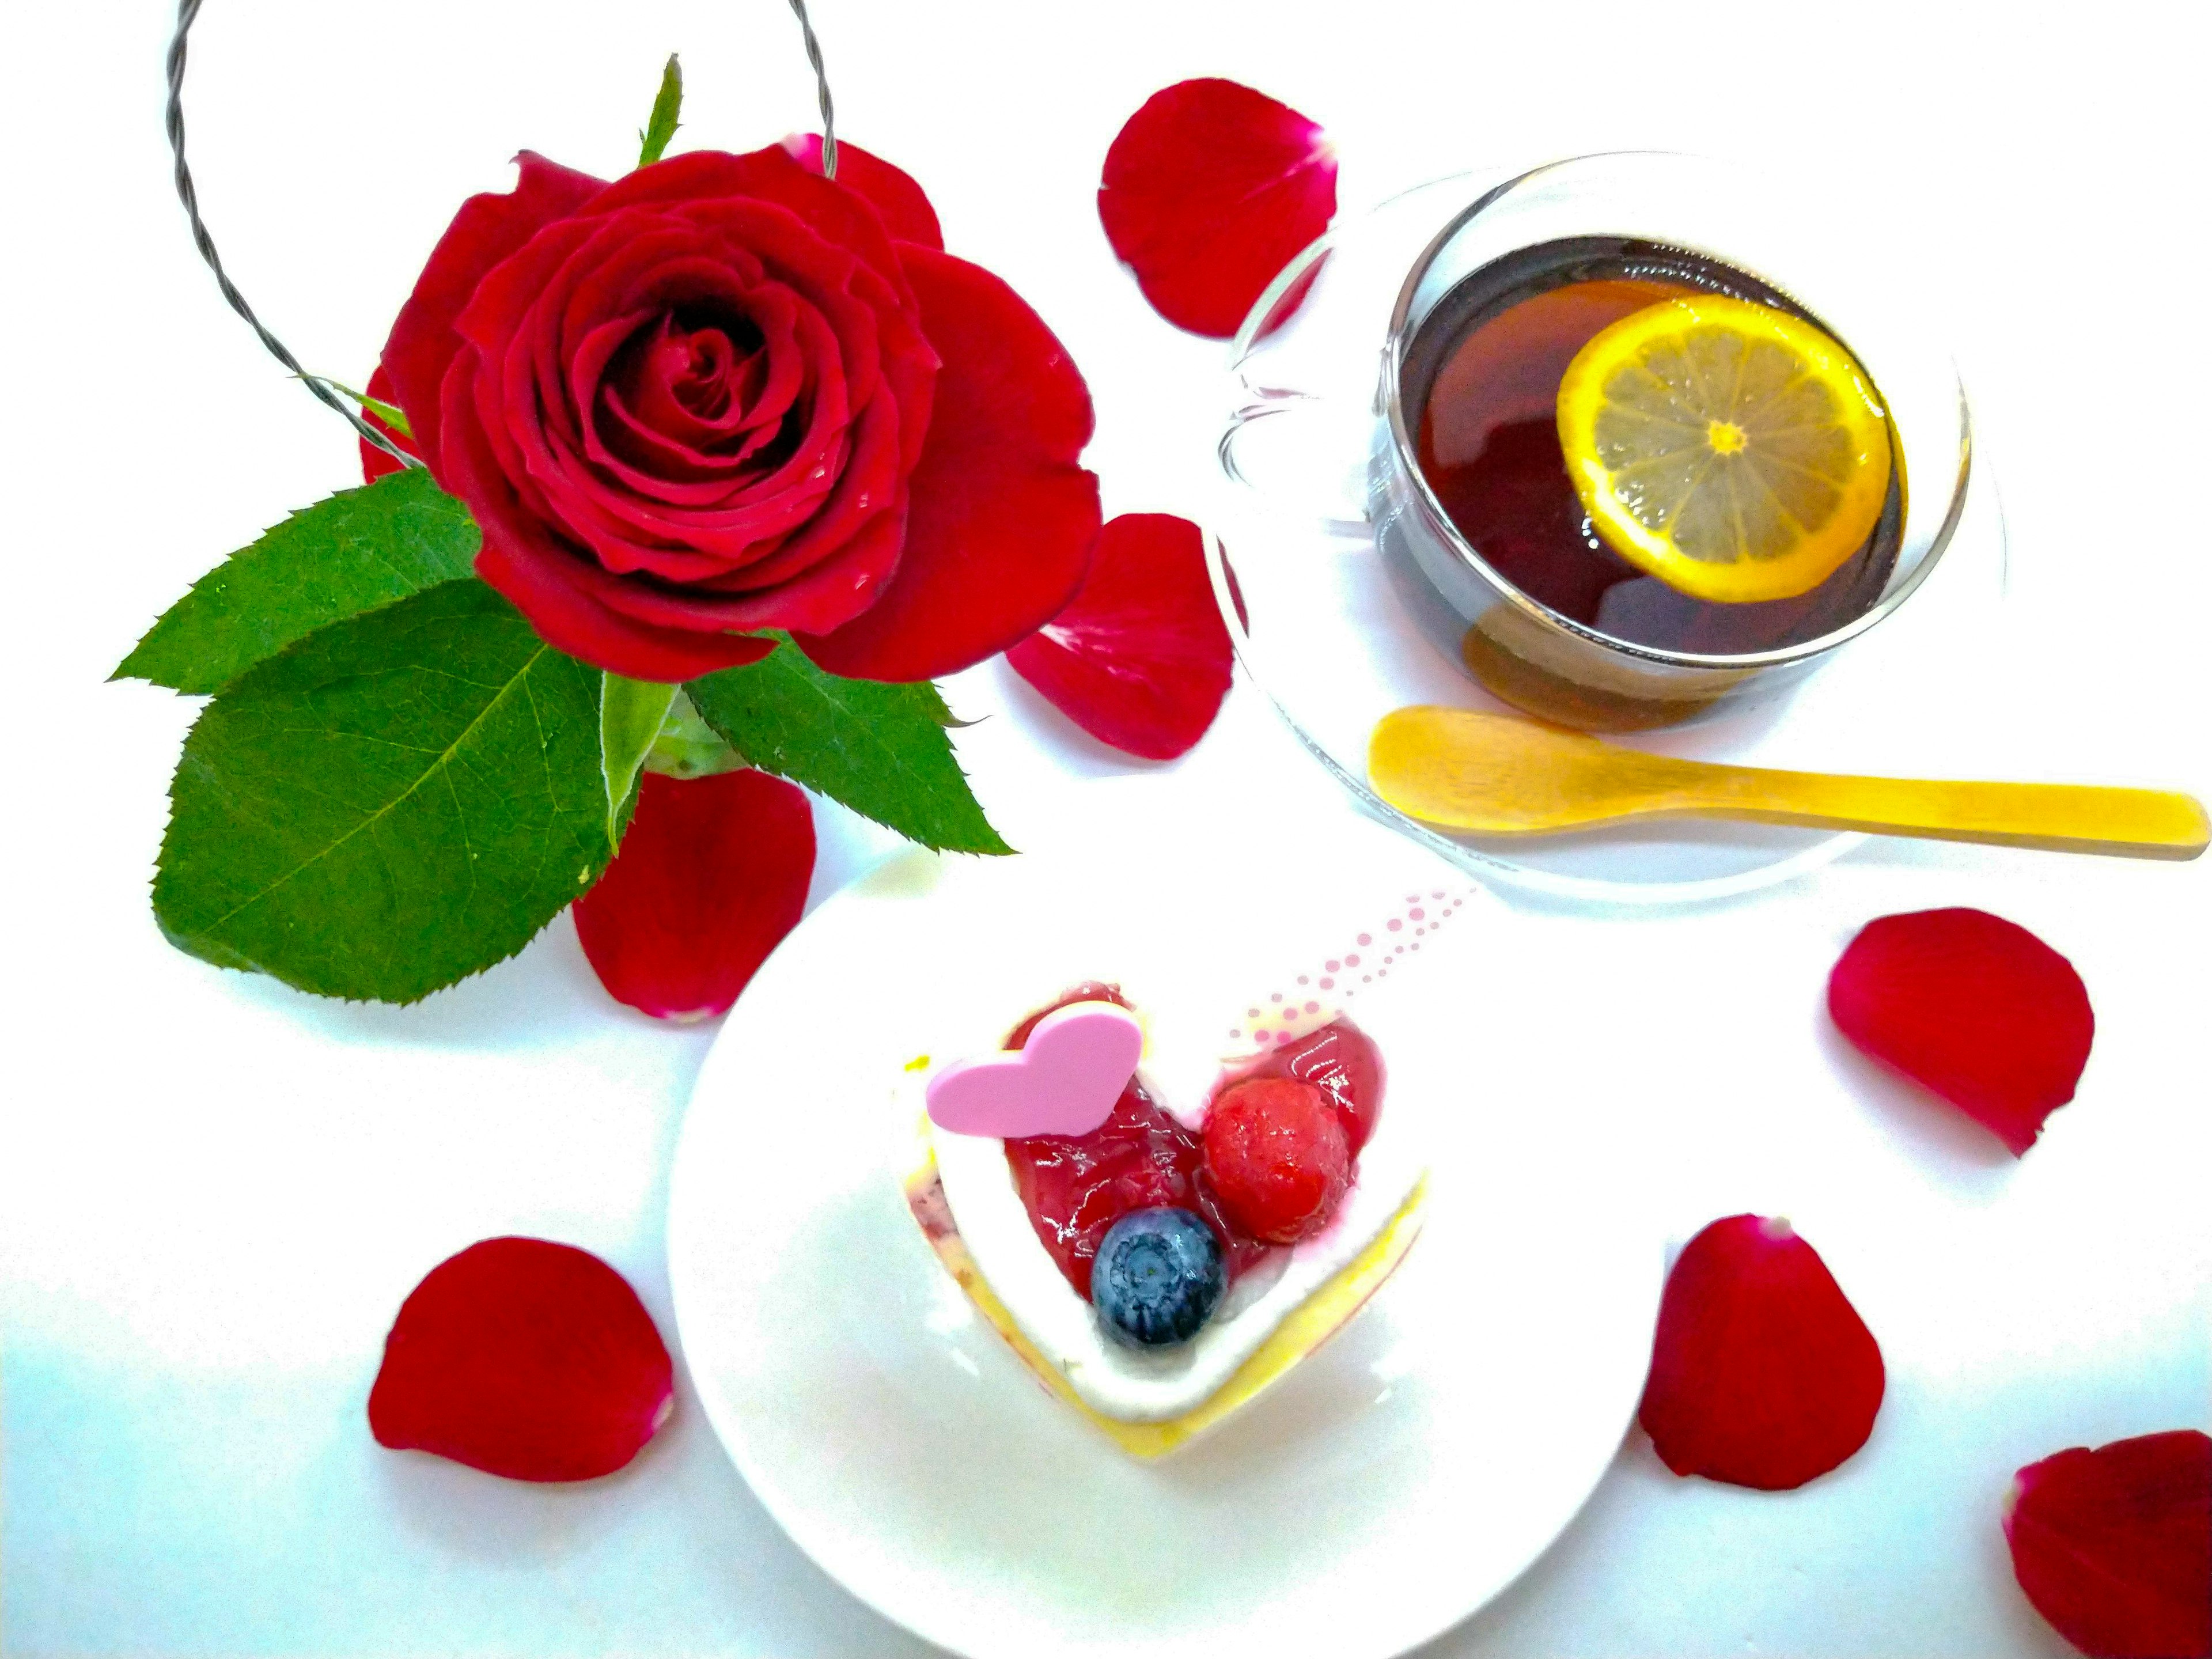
x=1298 y=453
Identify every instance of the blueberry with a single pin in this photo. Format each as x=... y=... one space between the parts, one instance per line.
x=1157 y=1277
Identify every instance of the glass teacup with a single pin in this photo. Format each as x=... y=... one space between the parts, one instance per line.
x=1599 y=671
x=1591 y=671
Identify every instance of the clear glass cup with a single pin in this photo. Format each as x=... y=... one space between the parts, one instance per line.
x=1518 y=648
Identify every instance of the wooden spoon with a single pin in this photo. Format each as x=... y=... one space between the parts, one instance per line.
x=1501 y=775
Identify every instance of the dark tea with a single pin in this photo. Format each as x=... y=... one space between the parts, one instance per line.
x=1485 y=373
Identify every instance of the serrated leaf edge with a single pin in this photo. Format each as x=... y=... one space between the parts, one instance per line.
x=204 y=933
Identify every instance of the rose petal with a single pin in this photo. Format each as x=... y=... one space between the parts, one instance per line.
x=1209 y=189
x=525 y=1359
x=2114 y=1545
x=1762 y=1374
x=1972 y=1007
x=553 y=585
x=841 y=216
x=487 y=229
x=711 y=876
x=1140 y=659
x=1001 y=520
x=376 y=463
x=906 y=211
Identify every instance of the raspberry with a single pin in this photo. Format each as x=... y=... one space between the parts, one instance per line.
x=1277 y=1154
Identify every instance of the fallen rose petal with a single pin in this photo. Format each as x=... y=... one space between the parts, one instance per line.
x=2114 y=1545
x=711 y=876
x=1140 y=659
x=1762 y=1373
x=376 y=463
x=1209 y=189
x=1972 y=1007
x=893 y=193
x=524 y=1359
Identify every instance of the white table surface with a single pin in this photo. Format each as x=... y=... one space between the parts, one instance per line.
x=214 y=1191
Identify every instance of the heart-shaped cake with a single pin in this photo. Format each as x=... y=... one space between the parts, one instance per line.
x=1159 y=1258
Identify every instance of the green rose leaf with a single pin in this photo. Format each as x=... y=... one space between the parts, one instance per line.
x=630 y=713
x=395 y=803
x=349 y=553
x=881 y=749
x=661 y=126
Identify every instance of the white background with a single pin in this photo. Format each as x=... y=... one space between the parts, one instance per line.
x=214 y=1191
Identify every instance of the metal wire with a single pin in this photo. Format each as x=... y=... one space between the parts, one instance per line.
x=822 y=89
x=187 y=193
x=187 y=10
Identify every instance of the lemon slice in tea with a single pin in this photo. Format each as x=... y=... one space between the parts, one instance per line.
x=1734 y=451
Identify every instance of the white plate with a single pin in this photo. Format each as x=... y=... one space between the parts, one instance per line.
x=1383 y=1491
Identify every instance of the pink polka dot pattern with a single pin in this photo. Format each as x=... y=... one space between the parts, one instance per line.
x=1295 y=1008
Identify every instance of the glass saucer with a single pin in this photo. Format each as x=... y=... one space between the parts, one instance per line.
x=1328 y=627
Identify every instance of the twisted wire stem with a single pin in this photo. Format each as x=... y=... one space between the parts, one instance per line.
x=187 y=10
x=821 y=91
x=188 y=193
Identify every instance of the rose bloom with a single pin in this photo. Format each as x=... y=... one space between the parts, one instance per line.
x=725 y=394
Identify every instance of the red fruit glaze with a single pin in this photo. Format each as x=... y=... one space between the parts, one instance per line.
x=524 y=1359
x=1277 y=1153
x=1140 y=659
x=1208 y=191
x=1340 y=1061
x=1762 y=1373
x=1077 y=1187
x=1972 y=1007
x=2114 y=1545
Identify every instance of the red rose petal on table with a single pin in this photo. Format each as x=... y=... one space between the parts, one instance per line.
x=1003 y=519
x=711 y=876
x=1972 y=1007
x=893 y=193
x=376 y=463
x=1762 y=1373
x=2114 y=1545
x=1140 y=659
x=524 y=1359
x=1208 y=191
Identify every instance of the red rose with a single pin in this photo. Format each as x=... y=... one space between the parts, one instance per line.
x=717 y=396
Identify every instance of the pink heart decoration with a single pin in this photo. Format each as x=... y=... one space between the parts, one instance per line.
x=1064 y=1081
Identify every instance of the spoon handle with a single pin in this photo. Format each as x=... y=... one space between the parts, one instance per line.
x=2153 y=823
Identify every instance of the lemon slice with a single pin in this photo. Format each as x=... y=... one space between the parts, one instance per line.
x=1734 y=451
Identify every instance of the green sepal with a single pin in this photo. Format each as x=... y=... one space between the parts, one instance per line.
x=400 y=800
x=880 y=749
x=661 y=126
x=687 y=747
x=630 y=713
x=390 y=414
x=350 y=553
